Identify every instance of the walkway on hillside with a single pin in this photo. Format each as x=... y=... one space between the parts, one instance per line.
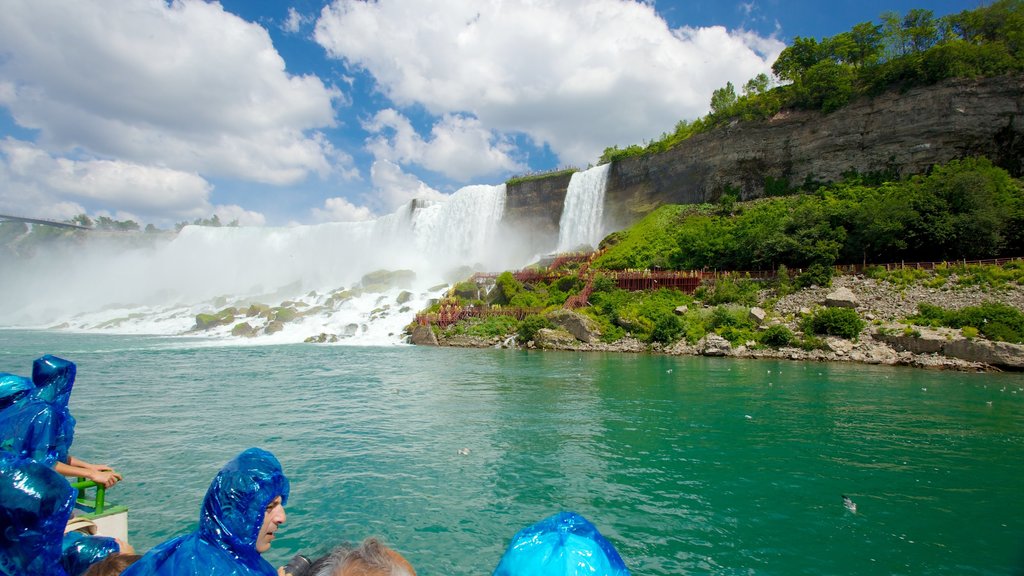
x=639 y=280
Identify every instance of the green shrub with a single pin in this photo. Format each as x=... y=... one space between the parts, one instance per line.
x=727 y=291
x=776 y=336
x=809 y=342
x=969 y=332
x=815 y=275
x=487 y=327
x=505 y=288
x=530 y=325
x=667 y=328
x=832 y=321
x=994 y=320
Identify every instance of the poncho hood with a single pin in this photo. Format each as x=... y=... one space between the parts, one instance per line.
x=54 y=378
x=35 y=504
x=39 y=424
x=229 y=524
x=13 y=388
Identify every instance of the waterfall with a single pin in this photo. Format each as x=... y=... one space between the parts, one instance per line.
x=581 y=223
x=136 y=284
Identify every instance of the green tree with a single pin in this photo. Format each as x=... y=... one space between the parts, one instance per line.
x=794 y=61
x=723 y=98
x=867 y=44
x=757 y=85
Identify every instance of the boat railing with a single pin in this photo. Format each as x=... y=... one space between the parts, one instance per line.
x=98 y=503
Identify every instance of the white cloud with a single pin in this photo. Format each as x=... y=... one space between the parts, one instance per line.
x=578 y=75
x=341 y=210
x=184 y=85
x=38 y=184
x=396 y=188
x=295 y=21
x=459 y=146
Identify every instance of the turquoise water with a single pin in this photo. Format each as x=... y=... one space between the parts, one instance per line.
x=688 y=465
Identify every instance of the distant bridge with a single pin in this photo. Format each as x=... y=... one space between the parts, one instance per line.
x=42 y=222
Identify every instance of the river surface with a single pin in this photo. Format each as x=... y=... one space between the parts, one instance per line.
x=688 y=465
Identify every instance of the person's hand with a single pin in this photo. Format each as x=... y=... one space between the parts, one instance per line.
x=280 y=571
x=107 y=479
x=100 y=467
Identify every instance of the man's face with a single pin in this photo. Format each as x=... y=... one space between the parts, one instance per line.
x=273 y=517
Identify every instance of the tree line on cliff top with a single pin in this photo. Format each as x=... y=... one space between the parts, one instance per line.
x=900 y=52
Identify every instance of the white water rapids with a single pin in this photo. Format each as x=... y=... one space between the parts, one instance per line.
x=159 y=287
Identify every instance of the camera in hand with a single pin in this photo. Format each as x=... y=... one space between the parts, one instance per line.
x=297 y=566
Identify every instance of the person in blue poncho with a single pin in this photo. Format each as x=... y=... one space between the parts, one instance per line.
x=241 y=513
x=565 y=544
x=13 y=388
x=35 y=504
x=80 y=551
x=40 y=425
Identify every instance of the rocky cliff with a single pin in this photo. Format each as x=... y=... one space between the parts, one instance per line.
x=533 y=209
x=907 y=131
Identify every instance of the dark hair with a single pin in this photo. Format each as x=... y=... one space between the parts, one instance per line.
x=112 y=565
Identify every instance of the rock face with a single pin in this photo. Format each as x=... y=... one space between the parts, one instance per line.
x=908 y=131
x=423 y=336
x=533 y=210
x=581 y=327
x=557 y=339
x=999 y=354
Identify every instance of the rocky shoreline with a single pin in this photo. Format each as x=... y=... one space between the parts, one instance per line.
x=886 y=340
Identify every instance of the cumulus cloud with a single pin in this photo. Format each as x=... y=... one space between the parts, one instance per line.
x=42 y=185
x=295 y=21
x=578 y=75
x=396 y=187
x=184 y=85
x=341 y=210
x=459 y=146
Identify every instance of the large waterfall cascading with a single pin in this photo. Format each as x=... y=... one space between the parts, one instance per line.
x=105 y=283
x=135 y=284
x=581 y=223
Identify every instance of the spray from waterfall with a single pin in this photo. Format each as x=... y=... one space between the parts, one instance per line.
x=582 y=217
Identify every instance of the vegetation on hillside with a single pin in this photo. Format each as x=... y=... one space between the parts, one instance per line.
x=965 y=209
x=898 y=53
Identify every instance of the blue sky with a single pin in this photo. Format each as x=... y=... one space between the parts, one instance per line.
x=279 y=112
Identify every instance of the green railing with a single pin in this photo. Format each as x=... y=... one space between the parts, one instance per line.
x=98 y=502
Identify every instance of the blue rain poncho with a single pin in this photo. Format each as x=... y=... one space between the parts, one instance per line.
x=565 y=544
x=229 y=524
x=13 y=388
x=41 y=426
x=35 y=504
x=79 y=551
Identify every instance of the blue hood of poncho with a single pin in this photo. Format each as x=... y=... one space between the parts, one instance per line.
x=13 y=388
x=79 y=551
x=565 y=544
x=53 y=378
x=40 y=426
x=229 y=524
x=35 y=504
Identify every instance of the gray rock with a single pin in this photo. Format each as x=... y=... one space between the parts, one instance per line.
x=841 y=298
x=557 y=339
x=581 y=327
x=681 y=310
x=714 y=345
x=403 y=297
x=757 y=315
x=423 y=336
